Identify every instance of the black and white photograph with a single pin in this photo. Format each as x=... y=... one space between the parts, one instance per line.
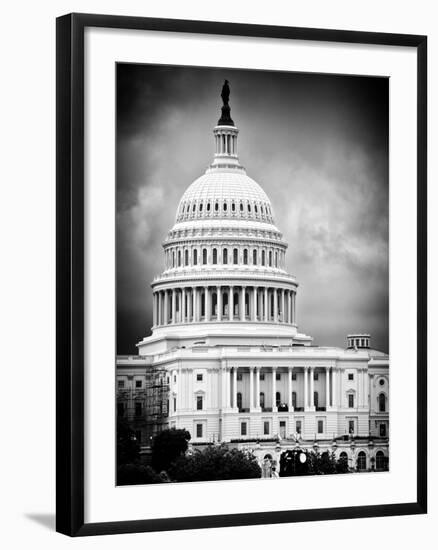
x=252 y=274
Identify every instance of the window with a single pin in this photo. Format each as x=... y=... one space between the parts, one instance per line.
x=214 y=255
x=361 y=461
x=320 y=426
x=216 y=207
x=120 y=409
x=179 y=258
x=225 y=206
x=351 y=400
x=186 y=257
x=263 y=257
x=243 y=428
x=277 y=398
x=174 y=404
x=233 y=207
x=254 y=257
x=315 y=376
x=315 y=398
x=174 y=378
x=208 y=206
x=343 y=457
x=235 y=256
x=262 y=376
x=225 y=256
x=239 y=400
x=351 y=426
x=195 y=257
x=138 y=383
x=294 y=376
x=199 y=402
x=266 y=427
x=382 y=402
x=277 y=376
x=294 y=399
x=120 y=384
x=199 y=377
x=194 y=207
x=245 y=256
x=200 y=207
x=138 y=409
x=198 y=430
x=239 y=376
x=241 y=207
x=270 y=258
x=262 y=400
x=249 y=207
x=382 y=430
x=350 y=376
x=298 y=426
x=380 y=460
x=381 y=382
x=173 y=259
x=204 y=256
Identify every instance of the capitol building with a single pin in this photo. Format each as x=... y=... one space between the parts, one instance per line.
x=226 y=359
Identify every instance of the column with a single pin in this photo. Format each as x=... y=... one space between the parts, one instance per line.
x=195 y=304
x=289 y=389
x=257 y=387
x=224 y=387
x=219 y=303
x=231 y=303
x=251 y=388
x=242 y=303
x=294 y=313
x=254 y=303
x=173 y=305
x=234 y=405
x=266 y=304
x=312 y=402
x=206 y=304
x=306 y=389
x=189 y=304
x=228 y=379
x=334 y=387
x=154 y=309
x=159 y=307
x=275 y=298
x=283 y=316
x=274 y=389
x=327 y=388
x=259 y=305
x=183 y=305
x=166 y=307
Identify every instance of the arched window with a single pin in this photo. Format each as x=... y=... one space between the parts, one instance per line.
x=239 y=400
x=276 y=259
x=262 y=400
x=225 y=256
x=235 y=256
x=294 y=399
x=186 y=257
x=202 y=304
x=214 y=255
x=208 y=206
x=270 y=258
x=343 y=457
x=204 y=256
x=225 y=303
x=245 y=256
x=263 y=257
x=315 y=398
x=195 y=257
x=179 y=258
x=277 y=398
x=361 y=461
x=216 y=206
x=380 y=460
x=233 y=206
x=241 y=207
x=200 y=207
x=262 y=210
x=194 y=207
x=254 y=257
x=225 y=206
x=173 y=259
x=249 y=207
x=382 y=402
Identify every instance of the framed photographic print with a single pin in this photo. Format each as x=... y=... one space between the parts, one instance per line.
x=241 y=274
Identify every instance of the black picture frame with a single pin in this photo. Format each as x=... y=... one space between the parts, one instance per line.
x=70 y=273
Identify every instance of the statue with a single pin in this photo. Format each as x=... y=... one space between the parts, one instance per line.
x=225 y=94
x=225 y=119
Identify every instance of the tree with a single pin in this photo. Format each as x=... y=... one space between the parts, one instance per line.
x=215 y=463
x=299 y=462
x=167 y=446
x=128 y=449
x=137 y=474
x=342 y=466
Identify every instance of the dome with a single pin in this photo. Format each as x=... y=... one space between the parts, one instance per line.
x=229 y=194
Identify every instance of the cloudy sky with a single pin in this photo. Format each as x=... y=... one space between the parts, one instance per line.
x=318 y=146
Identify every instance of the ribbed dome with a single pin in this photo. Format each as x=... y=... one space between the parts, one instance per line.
x=227 y=194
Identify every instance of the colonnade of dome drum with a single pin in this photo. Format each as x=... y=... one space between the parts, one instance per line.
x=195 y=303
x=217 y=208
